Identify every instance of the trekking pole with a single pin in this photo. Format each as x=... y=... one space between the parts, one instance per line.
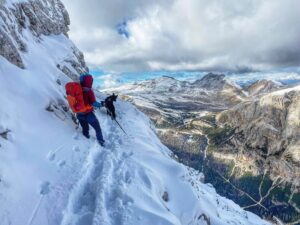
x=120 y=126
x=109 y=113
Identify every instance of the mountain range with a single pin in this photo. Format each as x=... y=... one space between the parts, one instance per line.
x=244 y=139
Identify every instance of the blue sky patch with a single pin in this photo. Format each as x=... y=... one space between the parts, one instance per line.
x=123 y=29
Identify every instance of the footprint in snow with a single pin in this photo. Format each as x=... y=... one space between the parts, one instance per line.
x=45 y=188
x=127 y=200
x=76 y=136
x=120 y=141
x=128 y=178
x=145 y=179
x=51 y=156
x=126 y=155
x=85 y=219
x=76 y=148
x=61 y=163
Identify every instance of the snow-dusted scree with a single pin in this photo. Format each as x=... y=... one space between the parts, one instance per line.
x=49 y=175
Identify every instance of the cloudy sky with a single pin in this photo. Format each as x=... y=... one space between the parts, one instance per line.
x=218 y=35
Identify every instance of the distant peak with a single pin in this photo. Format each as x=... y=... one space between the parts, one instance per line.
x=262 y=86
x=213 y=76
x=168 y=77
x=211 y=81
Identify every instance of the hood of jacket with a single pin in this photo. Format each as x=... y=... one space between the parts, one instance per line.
x=86 y=80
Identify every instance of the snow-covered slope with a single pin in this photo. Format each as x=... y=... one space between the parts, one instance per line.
x=51 y=175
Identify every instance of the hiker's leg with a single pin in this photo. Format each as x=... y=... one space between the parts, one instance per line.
x=84 y=125
x=93 y=121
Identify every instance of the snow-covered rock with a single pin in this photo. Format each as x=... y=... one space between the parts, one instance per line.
x=37 y=17
x=211 y=81
x=262 y=87
x=46 y=180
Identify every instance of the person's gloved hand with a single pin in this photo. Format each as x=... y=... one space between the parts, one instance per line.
x=97 y=105
x=103 y=103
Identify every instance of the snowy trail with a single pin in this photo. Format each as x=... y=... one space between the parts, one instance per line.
x=99 y=196
x=112 y=178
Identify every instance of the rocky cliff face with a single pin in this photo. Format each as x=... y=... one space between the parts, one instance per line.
x=269 y=128
x=40 y=18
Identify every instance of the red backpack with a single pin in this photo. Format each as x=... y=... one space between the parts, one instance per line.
x=75 y=98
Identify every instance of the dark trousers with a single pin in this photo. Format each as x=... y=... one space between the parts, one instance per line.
x=90 y=119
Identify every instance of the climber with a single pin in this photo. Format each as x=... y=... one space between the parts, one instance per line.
x=89 y=117
x=82 y=101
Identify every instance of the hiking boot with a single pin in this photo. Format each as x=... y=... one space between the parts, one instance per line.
x=86 y=136
x=102 y=143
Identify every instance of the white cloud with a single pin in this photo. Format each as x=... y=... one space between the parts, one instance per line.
x=107 y=81
x=187 y=34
